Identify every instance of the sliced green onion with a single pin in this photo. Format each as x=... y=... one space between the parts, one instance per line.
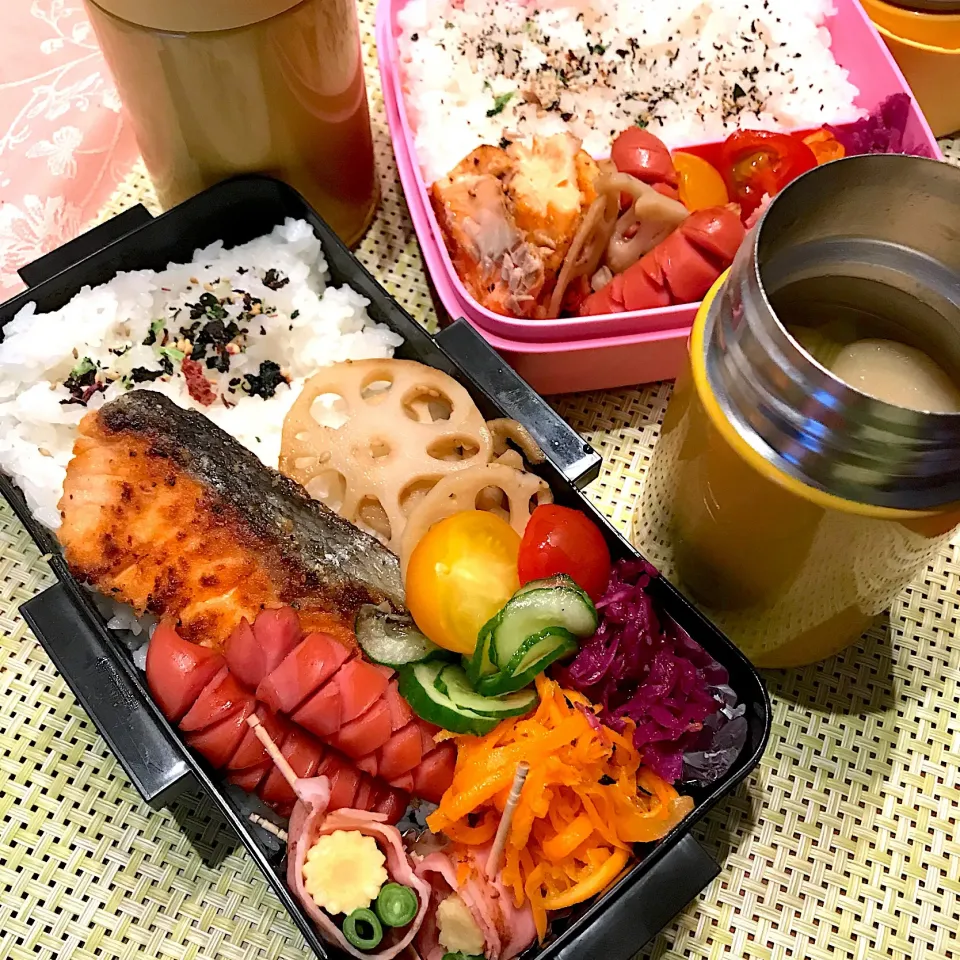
x=396 y=905
x=362 y=929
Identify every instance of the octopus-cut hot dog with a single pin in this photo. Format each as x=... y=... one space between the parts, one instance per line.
x=195 y=688
x=350 y=704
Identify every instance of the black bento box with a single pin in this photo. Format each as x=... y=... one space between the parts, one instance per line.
x=99 y=669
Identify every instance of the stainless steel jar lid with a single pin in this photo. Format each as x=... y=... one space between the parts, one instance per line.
x=885 y=229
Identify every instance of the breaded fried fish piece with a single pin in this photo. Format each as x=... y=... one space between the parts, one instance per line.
x=496 y=263
x=509 y=217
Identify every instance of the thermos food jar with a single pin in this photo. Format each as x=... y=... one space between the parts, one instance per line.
x=216 y=88
x=809 y=464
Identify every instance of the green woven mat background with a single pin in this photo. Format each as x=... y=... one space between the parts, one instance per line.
x=842 y=845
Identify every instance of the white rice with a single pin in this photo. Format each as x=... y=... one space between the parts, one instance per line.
x=691 y=70
x=305 y=324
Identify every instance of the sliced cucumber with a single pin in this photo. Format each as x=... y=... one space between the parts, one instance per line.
x=546 y=583
x=552 y=643
x=538 y=626
x=393 y=638
x=482 y=664
x=418 y=686
x=540 y=605
x=453 y=682
x=534 y=656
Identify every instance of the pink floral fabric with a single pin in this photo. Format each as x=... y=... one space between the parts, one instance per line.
x=64 y=143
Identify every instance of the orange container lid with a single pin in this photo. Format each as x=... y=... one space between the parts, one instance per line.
x=930 y=6
x=194 y=16
x=937 y=25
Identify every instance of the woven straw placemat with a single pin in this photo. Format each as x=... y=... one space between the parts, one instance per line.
x=841 y=845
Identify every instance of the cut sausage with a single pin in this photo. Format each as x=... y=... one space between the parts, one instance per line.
x=404 y=783
x=370 y=764
x=304 y=753
x=306 y=668
x=178 y=670
x=435 y=773
x=222 y=697
x=249 y=779
x=365 y=734
x=219 y=742
x=401 y=753
x=400 y=712
x=681 y=269
x=344 y=780
x=198 y=687
x=361 y=686
x=321 y=713
x=251 y=752
x=365 y=793
x=392 y=803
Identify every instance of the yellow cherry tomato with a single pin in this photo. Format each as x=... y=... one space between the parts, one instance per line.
x=460 y=574
x=701 y=185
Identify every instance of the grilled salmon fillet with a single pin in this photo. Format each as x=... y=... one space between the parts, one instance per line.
x=167 y=512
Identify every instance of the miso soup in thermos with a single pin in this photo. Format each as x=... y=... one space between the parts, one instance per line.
x=809 y=464
x=216 y=88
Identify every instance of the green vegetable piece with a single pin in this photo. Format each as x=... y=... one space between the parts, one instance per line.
x=171 y=353
x=440 y=693
x=156 y=327
x=362 y=929
x=482 y=664
x=396 y=905
x=461 y=956
x=534 y=656
x=538 y=625
x=393 y=638
x=84 y=366
x=417 y=683
x=453 y=682
x=499 y=103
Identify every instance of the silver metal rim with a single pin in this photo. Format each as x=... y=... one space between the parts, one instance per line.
x=802 y=419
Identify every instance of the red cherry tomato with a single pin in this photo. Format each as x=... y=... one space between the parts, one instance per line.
x=758 y=162
x=561 y=540
x=643 y=156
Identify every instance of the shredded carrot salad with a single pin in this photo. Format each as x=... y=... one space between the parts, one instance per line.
x=586 y=800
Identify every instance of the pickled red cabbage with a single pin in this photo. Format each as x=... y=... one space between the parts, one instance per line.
x=642 y=665
x=884 y=131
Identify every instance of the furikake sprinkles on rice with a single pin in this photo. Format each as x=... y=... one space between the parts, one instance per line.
x=214 y=336
x=691 y=70
x=234 y=333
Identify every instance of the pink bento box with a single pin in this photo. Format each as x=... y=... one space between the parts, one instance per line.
x=586 y=353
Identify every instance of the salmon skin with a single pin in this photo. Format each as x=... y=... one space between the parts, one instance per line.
x=164 y=510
